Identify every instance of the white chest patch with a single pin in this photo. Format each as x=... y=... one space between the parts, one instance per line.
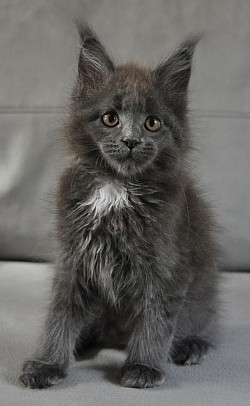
x=105 y=197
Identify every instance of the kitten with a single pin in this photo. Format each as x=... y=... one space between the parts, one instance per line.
x=137 y=254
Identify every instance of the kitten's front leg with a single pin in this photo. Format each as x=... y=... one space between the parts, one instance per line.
x=150 y=342
x=69 y=312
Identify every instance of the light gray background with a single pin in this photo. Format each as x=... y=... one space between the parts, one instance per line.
x=38 y=49
x=38 y=63
x=222 y=379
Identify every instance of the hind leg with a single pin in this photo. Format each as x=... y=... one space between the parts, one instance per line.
x=84 y=343
x=190 y=350
x=104 y=333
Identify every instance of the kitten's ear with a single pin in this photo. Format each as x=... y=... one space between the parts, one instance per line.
x=94 y=65
x=173 y=75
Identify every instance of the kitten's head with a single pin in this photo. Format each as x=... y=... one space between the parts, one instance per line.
x=129 y=118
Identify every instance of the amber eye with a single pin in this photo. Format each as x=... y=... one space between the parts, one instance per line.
x=152 y=123
x=110 y=119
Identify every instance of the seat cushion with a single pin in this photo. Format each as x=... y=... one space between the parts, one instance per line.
x=223 y=378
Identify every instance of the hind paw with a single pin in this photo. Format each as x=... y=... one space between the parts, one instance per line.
x=191 y=350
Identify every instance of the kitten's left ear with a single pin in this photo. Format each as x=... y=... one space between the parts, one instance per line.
x=174 y=74
x=94 y=65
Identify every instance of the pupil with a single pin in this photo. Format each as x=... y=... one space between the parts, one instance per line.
x=151 y=122
x=111 y=118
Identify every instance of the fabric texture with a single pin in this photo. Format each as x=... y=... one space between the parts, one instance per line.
x=222 y=379
x=38 y=46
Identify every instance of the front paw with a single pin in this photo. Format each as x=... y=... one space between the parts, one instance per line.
x=141 y=376
x=38 y=374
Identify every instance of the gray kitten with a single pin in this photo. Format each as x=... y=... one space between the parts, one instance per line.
x=137 y=252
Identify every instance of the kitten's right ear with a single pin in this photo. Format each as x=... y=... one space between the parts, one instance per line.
x=173 y=75
x=94 y=65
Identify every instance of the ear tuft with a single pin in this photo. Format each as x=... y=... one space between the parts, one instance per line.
x=174 y=74
x=94 y=64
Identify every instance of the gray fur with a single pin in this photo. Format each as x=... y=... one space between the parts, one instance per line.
x=137 y=260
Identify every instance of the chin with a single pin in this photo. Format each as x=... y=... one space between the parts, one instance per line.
x=129 y=167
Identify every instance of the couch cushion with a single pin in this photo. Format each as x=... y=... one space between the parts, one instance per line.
x=38 y=66
x=30 y=163
x=222 y=379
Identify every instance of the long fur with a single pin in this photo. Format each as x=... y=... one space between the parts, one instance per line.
x=136 y=266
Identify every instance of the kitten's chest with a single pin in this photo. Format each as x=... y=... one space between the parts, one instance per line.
x=116 y=210
x=107 y=197
x=105 y=209
x=110 y=230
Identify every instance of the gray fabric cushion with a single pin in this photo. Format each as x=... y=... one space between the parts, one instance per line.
x=38 y=66
x=222 y=379
x=31 y=163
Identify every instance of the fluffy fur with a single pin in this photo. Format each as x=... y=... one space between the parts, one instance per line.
x=137 y=253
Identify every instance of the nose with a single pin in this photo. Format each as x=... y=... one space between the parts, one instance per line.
x=130 y=143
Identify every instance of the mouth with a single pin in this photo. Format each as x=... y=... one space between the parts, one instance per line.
x=129 y=156
x=127 y=162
